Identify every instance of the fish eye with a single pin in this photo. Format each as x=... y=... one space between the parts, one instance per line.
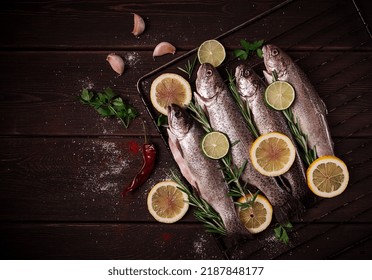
x=275 y=52
x=177 y=114
x=246 y=73
x=209 y=73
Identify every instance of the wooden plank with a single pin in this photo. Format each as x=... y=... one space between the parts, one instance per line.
x=192 y=25
x=136 y=241
x=106 y=241
x=310 y=242
x=76 y=178
x=80 y=179
x=45 y=102
x=188 y=21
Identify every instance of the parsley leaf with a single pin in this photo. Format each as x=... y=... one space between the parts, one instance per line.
x=249 y=49
x=162 y=120
x=281 y=232
x=107 y=104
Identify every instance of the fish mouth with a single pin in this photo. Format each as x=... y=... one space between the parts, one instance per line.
x=266 y=55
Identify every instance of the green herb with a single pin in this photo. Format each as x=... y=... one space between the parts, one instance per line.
x=107 y=103
x=200 y=116
x=204 y=212
x=308 y=155
x=281 y=232
x=162 y=120
x=232 y=173
x=189 y=67
x=244 y=108
x=249 y=49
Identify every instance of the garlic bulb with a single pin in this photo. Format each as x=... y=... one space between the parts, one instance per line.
x=139 y=25
x=116 y=62
x=163 y=48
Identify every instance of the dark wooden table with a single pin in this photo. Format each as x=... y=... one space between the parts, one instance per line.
x=62 y=167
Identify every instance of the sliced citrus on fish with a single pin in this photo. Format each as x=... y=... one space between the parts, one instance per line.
x=272 y=154
x=258 y=216
x=279 y=95
x=215 y=145
x=166 y=203
x=169 y=89
x=212 y=52
x=327 y=176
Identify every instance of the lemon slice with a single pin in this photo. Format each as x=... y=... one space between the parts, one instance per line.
x=215 y=145
x=257 y=217
x=169 y=89
x=272 y=154
x=167 y=203
x=211 y=51
x=327 y=176
x=279 y=95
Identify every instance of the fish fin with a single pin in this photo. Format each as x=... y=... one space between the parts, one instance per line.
x=327 y=130
x=323 y=106
x=268 y=77
x=201 y=103
x=292 y=209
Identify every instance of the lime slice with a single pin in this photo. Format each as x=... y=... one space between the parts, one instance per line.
x=215 y=145
x=279 y=95
x=257 y=217
x=169 y=89
x=272 y=154
x=327 y=176
x=166 y=202
x=212 y=52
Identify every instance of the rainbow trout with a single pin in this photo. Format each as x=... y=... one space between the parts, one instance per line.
x=224 y=115
x=252 y=90
x=308 y=108
x=204 y=174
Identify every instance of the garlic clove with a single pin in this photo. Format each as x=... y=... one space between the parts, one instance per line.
x=163 y=48
x=116 y=62
x=139 y=25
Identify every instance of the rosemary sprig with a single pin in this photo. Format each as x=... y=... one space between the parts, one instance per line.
x=244 y=108
x=204 y=212
x=231 y=172
x=308 y=155
x=200 y=116
x=189 y=67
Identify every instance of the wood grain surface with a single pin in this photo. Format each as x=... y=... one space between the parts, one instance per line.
x=63 y=167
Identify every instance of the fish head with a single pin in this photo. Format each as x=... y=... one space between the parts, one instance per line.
x=247 y=81
x=179 y=120
x=208 y=82
x=276 y=60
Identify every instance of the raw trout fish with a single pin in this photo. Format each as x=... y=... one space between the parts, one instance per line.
x=252 y=90
x=204 y=174
x=308 y=108
x=224 y=116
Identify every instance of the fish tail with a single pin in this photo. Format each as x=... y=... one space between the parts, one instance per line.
x=292 y=209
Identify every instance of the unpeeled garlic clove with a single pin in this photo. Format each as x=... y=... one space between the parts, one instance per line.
x=163 y=48
x=139 y=25
x=116 y=62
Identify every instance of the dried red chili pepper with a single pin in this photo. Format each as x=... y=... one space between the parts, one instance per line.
x=149 y=157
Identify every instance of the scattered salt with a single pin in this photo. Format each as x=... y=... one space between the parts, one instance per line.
x=199 y=246
x=131 y=58
x=86 y=83
x=113 y=163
